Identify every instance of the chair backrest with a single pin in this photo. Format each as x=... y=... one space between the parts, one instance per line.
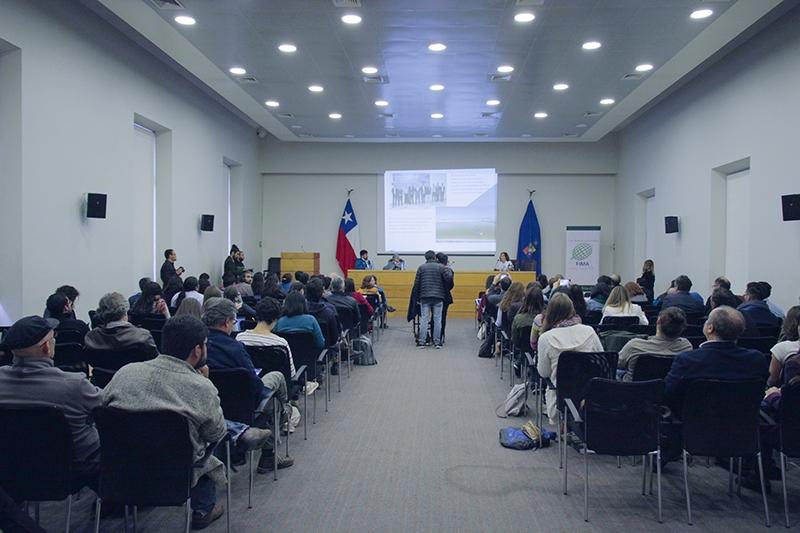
x=696 y=341
x=522 y=339
x=69 y=356
x=156 y=333
x=69 y=336
x=304 y=352
x=271 y=359
x=592 y=317
x=696 y=319
x=247 y=324
x=115 y=359
x=146 y=457
x=35 y=453
x=720 y=418
x=651 y=366
x=346 y=319
x=621 y=321
x=237 y=394
x=789 y=420
x=761 y=344
x=770 y=331
x=374 y=300
x=101 y=376
x=693 y=330
x=576 y=369
x=622 y=418
x=364 y=326
x=642 y=329
x=149 y=322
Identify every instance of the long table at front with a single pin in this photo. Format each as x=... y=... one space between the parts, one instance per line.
x=397 y=285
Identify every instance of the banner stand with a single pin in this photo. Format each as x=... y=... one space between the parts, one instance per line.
x=582 y=262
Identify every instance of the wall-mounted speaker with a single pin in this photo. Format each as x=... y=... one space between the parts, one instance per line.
x=95 y=205
x=671 y=224
x=791 y=206
x=207 y=223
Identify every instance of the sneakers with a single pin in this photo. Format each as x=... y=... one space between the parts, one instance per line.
x=202 y=521
x=311 y=386
x=390 y=309
x=437 y=346
x=253 y=438
x=266 y=463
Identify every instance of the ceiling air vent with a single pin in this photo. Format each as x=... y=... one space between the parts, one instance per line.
x=305 y=135
x=480 y=135
x=247 y=80
x=592 y=114
x=376 y=79
x=528 y=3
x=285 y=115
x=167 y=4
x=393 y=135
x=499 y=77
x=490 y=114
x=569 y=134
x=632 y=76
x=347 y=4
x=386 y=115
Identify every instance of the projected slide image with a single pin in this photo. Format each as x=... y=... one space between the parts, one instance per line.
x=418 y=189
x=455 y=224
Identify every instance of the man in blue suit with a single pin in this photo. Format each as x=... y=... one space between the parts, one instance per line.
x=756 y=308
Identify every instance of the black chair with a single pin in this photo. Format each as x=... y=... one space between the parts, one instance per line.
x=521 y=343
x=642 y=329
x=36 y=464
x=721 y=419
x=696 y=341
x=115 y=359
x=761 y=344
x=693 y=330
x=101 y=376
x=66 y=336
x=69 y=356
x=147 y=460
x=697 y=319
x=770 y=331
x=156 y=333
x=239 y=402
x=148 y=322
x=789 y=433
x=650 y=366
x=619 y=419
x=247 y=324
x=621 y=322
x=592 y=318
x=380 y=310
x=366 y=320
x=574 y=371
x=276 y=359
x=347 y=323
x=305 y=353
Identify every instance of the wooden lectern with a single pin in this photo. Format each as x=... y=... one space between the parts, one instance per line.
x=304 y=261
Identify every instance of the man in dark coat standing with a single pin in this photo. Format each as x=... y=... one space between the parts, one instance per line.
x=431 y=286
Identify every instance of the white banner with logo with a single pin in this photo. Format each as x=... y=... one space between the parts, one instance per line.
x=582 y=264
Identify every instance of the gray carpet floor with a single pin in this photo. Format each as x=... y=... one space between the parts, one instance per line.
x=411 y=444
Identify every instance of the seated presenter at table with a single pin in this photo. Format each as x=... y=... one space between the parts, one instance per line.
x=504 y=263
x=363 y=262
x=395 y=263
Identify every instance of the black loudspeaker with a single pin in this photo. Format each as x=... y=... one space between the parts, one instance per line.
x=791 y=206
x=207 y=223
x=671 y=224
x=95 y=205
x=274 y=265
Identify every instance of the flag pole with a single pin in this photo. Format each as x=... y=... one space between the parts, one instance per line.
x=530 y=193
x=349 y=191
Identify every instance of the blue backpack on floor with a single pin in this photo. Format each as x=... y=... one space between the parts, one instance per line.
x=515 y=439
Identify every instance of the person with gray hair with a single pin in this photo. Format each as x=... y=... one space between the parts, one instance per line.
x=117 y=333
x=219 y=315
x=346 y=306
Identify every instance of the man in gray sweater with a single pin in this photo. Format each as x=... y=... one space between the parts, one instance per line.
x=179 y=382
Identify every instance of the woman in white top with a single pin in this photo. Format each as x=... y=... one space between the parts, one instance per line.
x=562 y=331
x=789 y=345
x=619 y=304
x=504 y=264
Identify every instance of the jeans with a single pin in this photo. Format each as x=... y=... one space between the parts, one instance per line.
x=425 y=318
x=276 y=382
x=204 y=495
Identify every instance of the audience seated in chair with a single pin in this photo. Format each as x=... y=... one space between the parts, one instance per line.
x=597 y=299
x=190 y=286
x=32 y=380
x=296 y=319
x=667 y=341
x=226 y=352
x=679 y=296
x=561 y=331
x=788 y=346
x=117 y=333
x=636 y=293
x=244 y=284
x=191 y=307
x=619 y=304
x=60 y=308
x=242 y=309
x=326 y=316
x=171 y=288
x=722 y=297
x=721 y=283
x=143 y=282
x=268 y=311
x=179 y=382
x=756 y=308
x=72 y=296
x=153 y=301
x=343 y=303
x=350 y=290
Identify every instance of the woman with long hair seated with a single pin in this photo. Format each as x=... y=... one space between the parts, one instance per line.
x=562 y=331
x=788 y=345
x=619 y=304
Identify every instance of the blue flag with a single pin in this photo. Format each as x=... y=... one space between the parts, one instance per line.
x=529 y=248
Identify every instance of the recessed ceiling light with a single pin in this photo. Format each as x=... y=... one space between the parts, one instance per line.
x=540 y=114
x=272 y=103
x=644 y=67
x=581 y=125
x=505 y=69
x=591 y=45
x=525 y=135
x=316 y=88
x=369 y=70
x=335 y=116
x=287 y=48
x=351 y=19
x=381 y=103
x=524 y=17
x=436 y=136
x=237 y=71
x=701 y=14
x=560 y=87
x=437 y=115
x=606 y=101
x=437 y=47
x=436 y=87
x=185 y=20
x=492 y=102
x=349 y=136
x=296 y=126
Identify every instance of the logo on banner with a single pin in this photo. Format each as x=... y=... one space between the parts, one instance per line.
x=581 y=252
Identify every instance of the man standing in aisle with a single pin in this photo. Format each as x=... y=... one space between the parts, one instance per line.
x=430 y=290
x=168 y=269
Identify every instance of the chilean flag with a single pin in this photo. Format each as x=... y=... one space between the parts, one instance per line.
x=348 y=240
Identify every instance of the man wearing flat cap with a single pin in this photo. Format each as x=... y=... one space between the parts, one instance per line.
x=32 y=381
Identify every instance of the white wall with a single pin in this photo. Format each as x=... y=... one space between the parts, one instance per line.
x=82 y=82
x=745 y=106
x=305 y=190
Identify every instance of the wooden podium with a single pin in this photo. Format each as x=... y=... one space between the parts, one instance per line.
x=305 y=261
x=397 y=285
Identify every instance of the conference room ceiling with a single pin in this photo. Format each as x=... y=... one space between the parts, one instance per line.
x=480 y=35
